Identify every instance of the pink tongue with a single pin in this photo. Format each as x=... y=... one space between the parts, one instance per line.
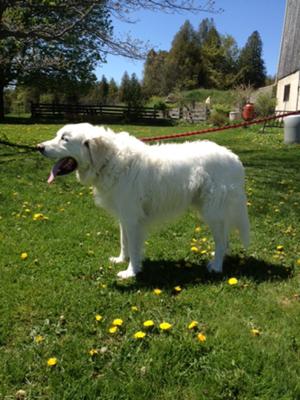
x=54 y=171
x=51 y=178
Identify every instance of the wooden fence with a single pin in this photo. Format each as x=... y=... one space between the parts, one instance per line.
x=75 y=112
x=93 y=111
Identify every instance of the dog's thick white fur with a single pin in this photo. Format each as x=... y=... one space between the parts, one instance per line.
x=142 y=185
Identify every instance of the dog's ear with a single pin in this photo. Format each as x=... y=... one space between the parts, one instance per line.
x=99 y=151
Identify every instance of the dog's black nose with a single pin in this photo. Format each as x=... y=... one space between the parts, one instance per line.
x=40 y=148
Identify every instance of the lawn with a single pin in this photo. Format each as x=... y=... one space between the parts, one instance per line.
x=59 y=295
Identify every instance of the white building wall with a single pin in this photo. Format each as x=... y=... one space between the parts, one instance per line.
x=293 y=102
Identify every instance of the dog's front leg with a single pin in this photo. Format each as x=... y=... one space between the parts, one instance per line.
x=124 y=254
x=135 y=234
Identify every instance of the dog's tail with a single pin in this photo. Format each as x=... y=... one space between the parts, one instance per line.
x=242 y=223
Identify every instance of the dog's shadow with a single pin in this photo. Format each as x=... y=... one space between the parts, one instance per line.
x=168 y=273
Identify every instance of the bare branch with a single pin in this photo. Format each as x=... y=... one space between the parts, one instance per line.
x=123 y=11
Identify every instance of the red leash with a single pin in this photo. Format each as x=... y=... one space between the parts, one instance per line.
x=223 y=128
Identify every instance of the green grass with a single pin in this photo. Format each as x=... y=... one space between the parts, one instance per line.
x=67 y=279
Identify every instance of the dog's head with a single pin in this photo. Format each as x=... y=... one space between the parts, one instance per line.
x=79 y=147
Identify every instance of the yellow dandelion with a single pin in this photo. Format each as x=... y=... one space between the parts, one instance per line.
x=298 y=262
x=149 y=323
x=98 y=317
x=194 y=249
x=193 y=325
x=157 y=291
x=139 y=335
x=39 y=339
x=113 y=329
x=39 y=217
x=197 y=229
x=201 y=337
x=24 y=256
x=255 y=332
x=93 y=352
x=232 y=281
x=165 y=326
x=177 y=289
x=117 y=322
x=102 y=285
x=52 y=362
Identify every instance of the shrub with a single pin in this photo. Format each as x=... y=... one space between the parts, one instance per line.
x=222 y=108
x=160 y=105
x=265 y=105
x=218 y=118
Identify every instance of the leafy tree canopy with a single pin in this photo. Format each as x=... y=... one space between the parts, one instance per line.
x=47 y=38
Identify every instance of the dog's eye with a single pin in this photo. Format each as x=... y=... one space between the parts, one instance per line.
x=64 y=138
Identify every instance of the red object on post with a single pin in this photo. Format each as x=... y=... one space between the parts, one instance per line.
x=248 y=112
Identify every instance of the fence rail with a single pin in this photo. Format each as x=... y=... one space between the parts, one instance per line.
x=72 y=111
x=113 y=112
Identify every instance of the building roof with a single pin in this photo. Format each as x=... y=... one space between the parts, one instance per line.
x=289 y=61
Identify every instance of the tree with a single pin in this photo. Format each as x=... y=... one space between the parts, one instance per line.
x=50 y=36
x=251 y=65
x=103 y=90
x=205 y=27
x=220 y=55
x=113 y=92
x=184 y=61
x=51 y=43
x=131 y=91
x=154 y=77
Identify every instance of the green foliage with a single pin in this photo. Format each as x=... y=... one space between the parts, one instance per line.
x=265 y=104
x=184 y=59
x=219 y=115
x=113 y=92
x=154 y=82
x=67 y=279
x=251 y=65
x=131 y=91
x=203 y=58
x=160 y=105
x=222 y=108
x=52 y=46
x=218 y=118
x=217 y=96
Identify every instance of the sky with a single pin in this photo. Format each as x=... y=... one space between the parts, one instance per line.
x=240 y=18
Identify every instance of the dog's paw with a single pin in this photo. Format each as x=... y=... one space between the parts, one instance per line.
x=127 y=273
x=211 y=267
x=118 y=260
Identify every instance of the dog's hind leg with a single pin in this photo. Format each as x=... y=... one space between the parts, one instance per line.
x=135 y=233
x=124 y=255
x=220 y=235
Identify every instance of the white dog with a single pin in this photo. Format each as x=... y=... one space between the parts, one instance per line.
x=142 y=185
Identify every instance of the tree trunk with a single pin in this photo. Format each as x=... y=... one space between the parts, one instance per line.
x=1 y=103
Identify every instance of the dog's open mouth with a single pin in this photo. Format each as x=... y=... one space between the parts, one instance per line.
x=62 y=167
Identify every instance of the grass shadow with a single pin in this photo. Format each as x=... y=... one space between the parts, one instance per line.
x=166 y=274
